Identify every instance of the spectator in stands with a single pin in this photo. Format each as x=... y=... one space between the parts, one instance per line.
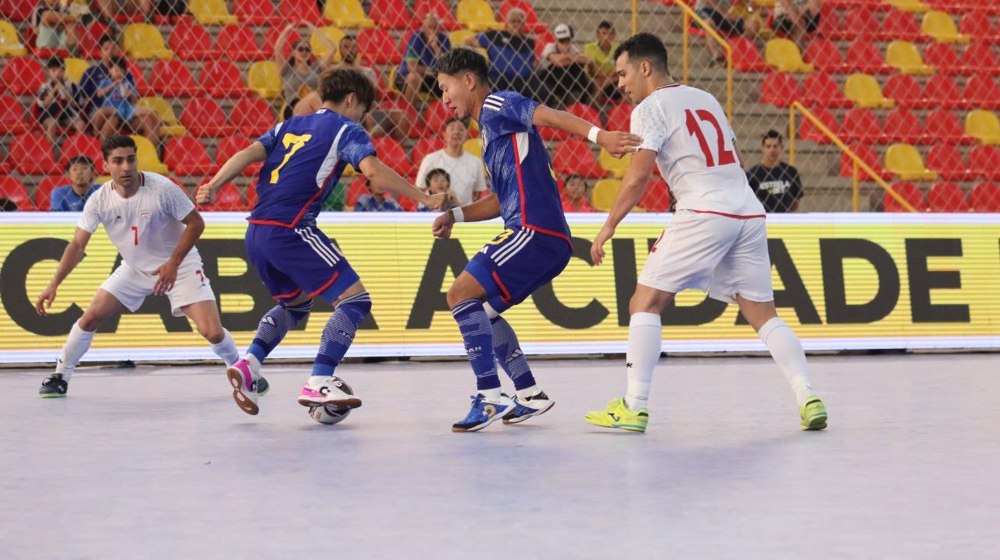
x=776 y=183
x=438 y=182
x=56 y=103
x=376 y=201
x=7 y=205
x=300 y=72
x=111 y=9
x=55 y=27
x=337 y=199
x=146 y=121
x=716 y=13
x=72 y=197
x=576 y=195
x=797 y=19
x=422 y=51
x=348 y=49
x=600 y=53
x=119 y=94
x=511 y=54
x=563 y=70
x=465 y=171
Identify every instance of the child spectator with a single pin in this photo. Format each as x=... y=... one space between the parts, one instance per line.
x=439 y=182
x=119 y=94
x=376 y=201
x=72 y=197
x=56 y=103
x=576 y=197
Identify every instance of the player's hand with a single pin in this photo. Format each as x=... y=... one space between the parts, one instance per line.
x=442 y=225
x=167 y=273
x=204 y=194
x=619 y=143
x=437 y=201
x=45 y=300
x=597 y=248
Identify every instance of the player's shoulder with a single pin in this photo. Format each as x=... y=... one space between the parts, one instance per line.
x=157 y=181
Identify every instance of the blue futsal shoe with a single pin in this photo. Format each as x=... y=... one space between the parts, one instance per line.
x=484 y=412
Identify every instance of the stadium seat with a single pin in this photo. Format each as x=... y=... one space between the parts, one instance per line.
x=147 y=157
x=940 y=27
x=585 y=112
x=265 y=80
x=947 y=161
x=203 y=117
x=439 y=7
x=862 y=125
x=238 y=43
x=22 y=76
x=390 y=14
x=865 y=91
x=228 y=199
x=256 y=12
x=746 y=57
x=255 y=116
x=75 y=67
x=423 y=147
x=168 y=120
x=943 y=126
x=10 y=43
x=779 y=89
x=297 y=10
x=985 y=162
x=979 y=58
x=81 y=145
x=31 y=154
x=12 y=115
x=941 y=91
x=144 y=42
x=18 y=10
x=656 y=198
x=389 y=150
x=354 y=191
x=863 y=56
x=605 y=193
x=905 y=58
x=904 y=161
x=531 y=21
x=983 y=126
x=229 y=146
x=620 y=116
x=819 y=90
x=191 y=41
x=89 y=37
x=943 y=58
x=909 y=5
x=347 y=13
x=186 y=156
x=378 y=47
x=831 y=25
x=899 y=25
x=784 y=56
x=901 y=125
x=910 y=193
x=904 y=91
x=320 y=47
x=574 y=156
x=616 y=167
x=981 y=91
x=140 y=78
x=476 y=15
x=474 y=146
x=947 y=197
x=810 y=131
x=43 y=191
x=13 y=190
x=171 y=78
x=434 y=116
x=825 y=56
x=985 y=197
x=211 y=12
x=980 y=28
x=862 y=23
x=221 y=78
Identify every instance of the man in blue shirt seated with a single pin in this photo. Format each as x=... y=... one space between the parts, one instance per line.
x=511 y=54
x=72 y=197
x=422 y=51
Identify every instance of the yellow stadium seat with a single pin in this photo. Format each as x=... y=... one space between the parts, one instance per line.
x=764 y=3
x=904 y=160
x=865 y=91
x=605 y=193
x=144 y=42
x=168 y=120
x=146 y=154
x=10 y=44
x=265 y=79
x=347 y=13
x=615 y=166
x=984 y=126
x=916 y=6
x=477 y=15
x=785 y=56
x=940 y=27
x=904 y=56
x=474 y=147
x=75 y=67
x=320 y=47
x=211 y=12
x=459 y=36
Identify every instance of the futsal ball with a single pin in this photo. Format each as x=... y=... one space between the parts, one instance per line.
x=332 y=414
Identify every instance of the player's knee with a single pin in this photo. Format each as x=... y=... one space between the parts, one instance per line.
x=89 y=322
x=455 y=296
x=212 y=333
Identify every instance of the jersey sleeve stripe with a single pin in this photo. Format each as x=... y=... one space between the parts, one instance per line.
x=330 y=161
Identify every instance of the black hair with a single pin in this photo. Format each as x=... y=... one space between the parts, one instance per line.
x=336 y=84
x=605 y=24
x=572 y=176
x=434 y=173
x=119 y=62
x=105 y=38
x=81 y=160
x=459 y=60
x=645 y=46
x=772 y=134
x=112 y=143
x=55 y=62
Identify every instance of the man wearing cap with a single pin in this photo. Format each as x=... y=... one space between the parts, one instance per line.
x=563 y=69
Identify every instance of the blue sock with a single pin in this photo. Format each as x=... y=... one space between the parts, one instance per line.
x=509 y=354
x=273 y=327
x=338 y=334
x=478 y=335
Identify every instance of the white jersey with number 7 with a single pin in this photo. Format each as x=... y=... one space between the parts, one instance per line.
x=695 y=150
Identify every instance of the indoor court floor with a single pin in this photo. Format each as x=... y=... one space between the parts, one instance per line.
x=157 y=462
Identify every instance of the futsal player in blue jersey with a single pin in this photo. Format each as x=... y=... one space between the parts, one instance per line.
x=304 y=158
x=535 y=245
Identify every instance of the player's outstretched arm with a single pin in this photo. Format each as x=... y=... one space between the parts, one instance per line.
x=485 y=208
x=252 y=154
x=633 y=186
x=166 y=273
x=616 y=143
x=71 y=257
x=382 y=175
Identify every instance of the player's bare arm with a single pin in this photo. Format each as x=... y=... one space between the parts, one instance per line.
x=71 y=257
x=633 y=186
x=252 y=154
x=382 y=175
x=617 y=143
x=167 y=272
x=485 y=208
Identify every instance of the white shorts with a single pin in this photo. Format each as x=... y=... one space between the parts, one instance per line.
x=131 y=287
x=711 y=253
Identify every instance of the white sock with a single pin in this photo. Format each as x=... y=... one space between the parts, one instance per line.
x=490 y=394
x=645 y=340
x=226 y=349
x=529 y=392
x=254 y=363
x=787 y=352
x=77 y=344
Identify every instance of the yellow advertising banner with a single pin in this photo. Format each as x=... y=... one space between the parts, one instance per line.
x=843 y=281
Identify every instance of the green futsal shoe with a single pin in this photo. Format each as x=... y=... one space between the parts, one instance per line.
x=618 y=415
x=813 y=414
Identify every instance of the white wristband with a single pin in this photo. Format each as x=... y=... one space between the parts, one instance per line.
x=592 y=135
x=458 y=214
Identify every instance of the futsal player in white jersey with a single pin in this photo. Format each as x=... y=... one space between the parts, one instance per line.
x=717 y=241
x=154 y=226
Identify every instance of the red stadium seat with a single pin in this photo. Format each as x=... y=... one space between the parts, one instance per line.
x=862 y=125
x=904 y=90
x=22 y=76
x=271 y=38
x=392 y=152
x=92 y=33
x=239 y=43
x=256 y=12
x=985 y=162
x=203 y=117
x=585 y=112
x=746 y=57
x=620 y=116
x=171 y=78
x=978 y=58
x=435 y=115
x=985 y=197
x=825 y=56
x=377 y=47
x=779 y=89
x=253 y=116
x=31 y=154
x=941 y=91
x=390 y=14
x=901 y=125
x=13 y=190
x=947 y=161
x=191 y=41
x=185 y=155
x=228 y=199
x=809 y=131
x=12 y=119
x=943 y=58
x=980 y=28
x=425 y=146
x=354 y=191
x=574 y=156
x=657 y=196
x=82 y=145
x=17 y=10
x=228 y=147
x=43 y=192
x=831 y=26
x=867 y=155
x=947 y=197
x=222 y=78
x=900 y=25
x=981 y=92
x=140 y=78
x=863 y=56
x=910 y=193
x=862 y=23
x=440 y=7
x=943 y=126
x=298 y=10
x=819 y=90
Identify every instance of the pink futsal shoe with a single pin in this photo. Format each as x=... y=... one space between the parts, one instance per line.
x=327 y=391
x=244 y=386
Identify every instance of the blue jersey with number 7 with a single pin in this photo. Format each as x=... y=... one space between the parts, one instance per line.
x=306 y=156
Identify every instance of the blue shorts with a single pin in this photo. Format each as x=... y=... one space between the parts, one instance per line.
x=295 y=260
x=516 y=263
